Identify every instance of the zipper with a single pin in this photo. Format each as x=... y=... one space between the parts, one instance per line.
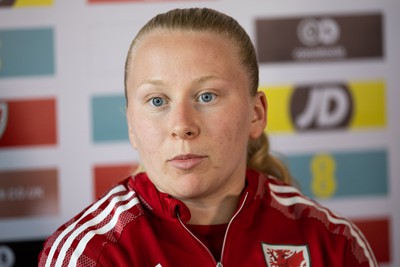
x=198 y=240
x=229 y=225
x=218 y=264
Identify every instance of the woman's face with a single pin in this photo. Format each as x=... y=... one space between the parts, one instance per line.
x=190 y=114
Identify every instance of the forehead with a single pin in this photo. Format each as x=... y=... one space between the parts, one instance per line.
x=166 y=39
x=163 y=50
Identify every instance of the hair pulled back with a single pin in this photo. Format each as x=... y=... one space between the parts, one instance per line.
x=212 y=21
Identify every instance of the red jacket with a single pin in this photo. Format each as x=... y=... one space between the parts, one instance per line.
x=275 y=225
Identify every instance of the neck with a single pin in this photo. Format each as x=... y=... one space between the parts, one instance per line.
x=212 y=211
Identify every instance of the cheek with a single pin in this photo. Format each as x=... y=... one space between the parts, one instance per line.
x=233 y=123
x=144 y=133
x=235 y=130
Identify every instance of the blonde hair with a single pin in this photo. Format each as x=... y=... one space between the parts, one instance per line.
x=208 y=20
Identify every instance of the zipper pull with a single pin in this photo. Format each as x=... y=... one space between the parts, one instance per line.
x=219 y=264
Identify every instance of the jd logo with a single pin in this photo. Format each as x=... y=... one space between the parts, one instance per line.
x=3 y=118
x=312 y=32
x=7 y=2
x=321 y=107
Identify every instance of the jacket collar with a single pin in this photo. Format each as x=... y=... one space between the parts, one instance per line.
x=166 y=206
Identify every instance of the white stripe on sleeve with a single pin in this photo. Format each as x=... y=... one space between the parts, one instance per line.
x=109 y=226
x=95 y=220
x=94 y=207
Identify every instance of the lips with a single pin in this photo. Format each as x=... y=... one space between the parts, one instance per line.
x=186 y=161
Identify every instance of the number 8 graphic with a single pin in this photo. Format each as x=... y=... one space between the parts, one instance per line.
x=323 y=183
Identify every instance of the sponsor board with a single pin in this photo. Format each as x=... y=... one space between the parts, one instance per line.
x=27 y=122
x=26 y=52
x=20 y=253
x=320 y=38
x=25 y=3
x=357 y=105
x=341 y=174
x=107 y=176
x=28 y=193
x=377 y=232
x=108 y=118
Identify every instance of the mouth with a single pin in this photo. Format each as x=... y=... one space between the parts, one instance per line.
x=186 y=161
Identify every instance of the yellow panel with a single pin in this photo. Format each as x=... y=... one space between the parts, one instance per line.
x=278 y=99
x=369 y=103
x=25 y=3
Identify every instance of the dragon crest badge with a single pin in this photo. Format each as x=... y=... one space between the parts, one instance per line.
x=286 y=255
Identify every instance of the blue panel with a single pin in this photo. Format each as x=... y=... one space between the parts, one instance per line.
x=108 y=119
x=26 y=52
x=347 y=174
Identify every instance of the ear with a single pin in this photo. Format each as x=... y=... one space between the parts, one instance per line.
x=132 y=138
x=259 y=116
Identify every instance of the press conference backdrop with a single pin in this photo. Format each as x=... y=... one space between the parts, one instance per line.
x=330 y=70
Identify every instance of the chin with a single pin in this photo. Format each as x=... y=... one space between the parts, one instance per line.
x=188 y=190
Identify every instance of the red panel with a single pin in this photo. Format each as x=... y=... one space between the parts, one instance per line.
x=106 y=176
x=377 y=233
x=27 y=122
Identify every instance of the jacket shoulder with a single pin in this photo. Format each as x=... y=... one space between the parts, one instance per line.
x=296 y=206
x=80 y=240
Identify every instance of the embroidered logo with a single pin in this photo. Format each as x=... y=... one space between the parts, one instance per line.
x=286 y=255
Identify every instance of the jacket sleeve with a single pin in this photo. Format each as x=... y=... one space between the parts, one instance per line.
x=358 y=251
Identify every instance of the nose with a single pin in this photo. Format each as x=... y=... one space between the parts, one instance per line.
x=184 y=122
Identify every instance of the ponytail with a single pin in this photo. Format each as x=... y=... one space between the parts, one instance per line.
x=260 y=159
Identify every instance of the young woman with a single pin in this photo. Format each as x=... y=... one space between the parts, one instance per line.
x=211 y=194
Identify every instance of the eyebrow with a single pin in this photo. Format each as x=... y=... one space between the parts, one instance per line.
x=152 y=81
x=206 y=78
x=199 y=80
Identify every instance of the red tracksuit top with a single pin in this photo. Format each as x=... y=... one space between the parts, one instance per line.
x=274 y=225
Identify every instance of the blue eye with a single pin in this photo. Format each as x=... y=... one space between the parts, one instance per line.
x=207 y=97
x=157 y=101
